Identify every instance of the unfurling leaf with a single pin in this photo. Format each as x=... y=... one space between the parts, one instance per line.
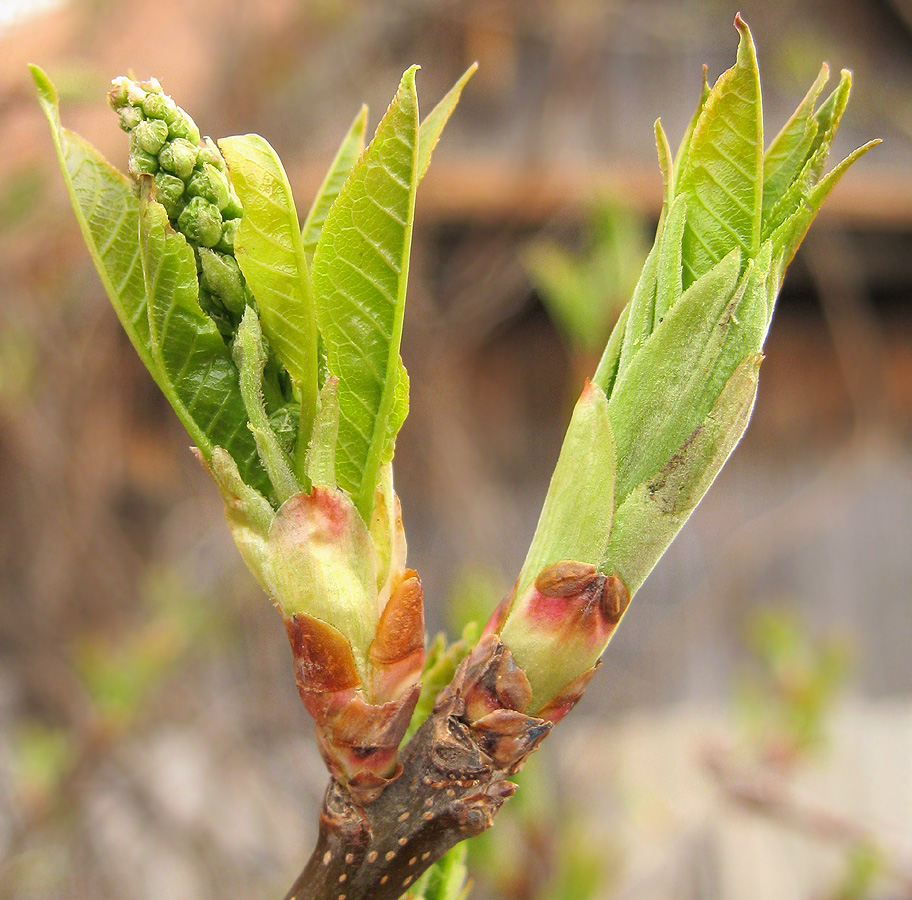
x=359 y=276
x=270 y=252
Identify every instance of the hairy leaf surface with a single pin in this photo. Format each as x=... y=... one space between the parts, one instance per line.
x=359 y=276
x=108 y=214
x=656 y=510
x=723 y=175
x=346 y=156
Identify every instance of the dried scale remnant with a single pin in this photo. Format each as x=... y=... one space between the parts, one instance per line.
x=454 y=779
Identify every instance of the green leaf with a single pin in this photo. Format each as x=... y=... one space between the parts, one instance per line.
x=664 y=393
x=432 y=127
x=446 y=879
x=321 y=455
x=723 y=175
x=606 y=372
x=198 y=376
x=680 y=162
x=793 y=199
x=641 y=314
x=656 y=510
x=788 y=152
x=250 y=358
x=786 y=238
x=347 y=155
x=108 y=214
x=360 y=273
x=575 y=521
x=669 y=284
x=398 y=414
x=270 y=252
x=666 y=164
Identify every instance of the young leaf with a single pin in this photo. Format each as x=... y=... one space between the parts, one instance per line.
x=270 y=252
x=826 y=123
x=786 y=155
x=666 y=164
x=786 y=238
x=723 y=175
x=680 y=162
x=662 y=395
x=347 y=155
x=108 y=214
x=359 y=277
x=669 y=284
x=250 y=358
x=606 y=373
x=641 y=310
x=198 y=375
x=576 y=517
x=321 y=455
x=432 y=127
x=653 y=513
x=398 y=414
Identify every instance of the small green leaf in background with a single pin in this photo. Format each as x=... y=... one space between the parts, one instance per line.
x=346 y=156
x=360 y=273
x=270 y=252
x=585 y=292
x=440 y=664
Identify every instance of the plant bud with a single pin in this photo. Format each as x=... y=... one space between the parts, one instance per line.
x=150 y=135
x=142 y=163
x=179 y=158
x=221 y=275
x=201 y=222
x=169 y=191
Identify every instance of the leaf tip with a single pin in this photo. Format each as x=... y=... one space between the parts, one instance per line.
x=747 y=51
x=47 y=93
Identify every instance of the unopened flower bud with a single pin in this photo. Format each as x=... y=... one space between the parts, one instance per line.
x=201 y=222
x=179 y=158
x=142 y=163
x=150 y=135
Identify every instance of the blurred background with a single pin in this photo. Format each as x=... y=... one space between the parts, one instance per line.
x=750 y=732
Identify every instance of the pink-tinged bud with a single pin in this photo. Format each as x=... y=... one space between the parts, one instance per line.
x=489 y=694
x=354 y=616
x=358 y=739
x=397 y=652
x=557 y=630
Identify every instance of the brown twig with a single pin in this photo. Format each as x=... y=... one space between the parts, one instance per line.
x=770 y=794
x=454 y=780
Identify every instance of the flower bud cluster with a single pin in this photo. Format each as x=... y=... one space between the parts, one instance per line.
x=191 y=182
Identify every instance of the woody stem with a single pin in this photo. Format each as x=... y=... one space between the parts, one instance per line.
x=453 y=783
